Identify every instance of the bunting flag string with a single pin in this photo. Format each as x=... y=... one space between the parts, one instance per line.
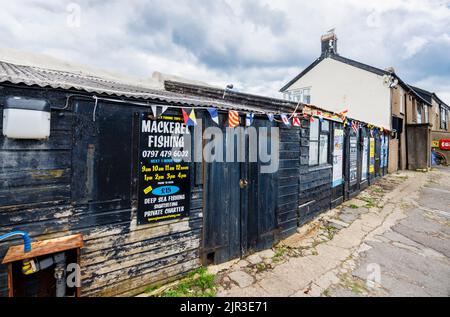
x=214 y=115
x=320 y=115
x=355 y=126
x=158 y=111
x=189 y=118
x=285 y=120
x=288 y=120
x=249 y=119
x=233 y=119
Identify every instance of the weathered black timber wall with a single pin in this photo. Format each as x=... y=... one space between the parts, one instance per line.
x=315 y=182
x=288 y=180
x=44 y=190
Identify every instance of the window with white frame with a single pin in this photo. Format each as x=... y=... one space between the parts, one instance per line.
x=402 y=102
x=419 y=113
x=302 y=95
x=425 y=113
x=319 y=143
x=444 y=118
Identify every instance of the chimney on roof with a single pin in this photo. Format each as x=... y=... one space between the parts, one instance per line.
x=390 y=69
x=329 y=43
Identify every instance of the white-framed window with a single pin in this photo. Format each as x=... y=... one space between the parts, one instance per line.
x=402 y=103
x=319 y=143
x=425 y=113
x=419 y=113
x=302 y=95
x=444 y=118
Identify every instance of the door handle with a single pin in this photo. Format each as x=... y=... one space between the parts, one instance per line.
x=243 y=183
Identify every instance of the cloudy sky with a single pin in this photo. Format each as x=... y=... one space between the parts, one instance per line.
x=258 y=45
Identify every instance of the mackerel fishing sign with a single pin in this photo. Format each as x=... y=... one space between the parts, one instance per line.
x=164 y=177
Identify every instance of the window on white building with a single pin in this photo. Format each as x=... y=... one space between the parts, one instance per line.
x=302 y=95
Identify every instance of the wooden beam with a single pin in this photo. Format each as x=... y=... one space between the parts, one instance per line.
x=39 y=248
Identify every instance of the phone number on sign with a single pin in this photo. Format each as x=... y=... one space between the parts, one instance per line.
x=176 y=154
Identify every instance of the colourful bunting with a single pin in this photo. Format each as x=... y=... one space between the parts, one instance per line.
x=296 y=122
x=233 y=119
x=214 y=115
x=270 y=116
x=249 y=119
x=355 y=126
x=189 y=118
x=158 y=111
x=285 y=120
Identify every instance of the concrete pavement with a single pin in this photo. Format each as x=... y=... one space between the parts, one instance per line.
x=392 y=240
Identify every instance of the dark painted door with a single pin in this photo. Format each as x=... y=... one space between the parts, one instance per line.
x=258 y=199
x=378 y=170
x=240 y=201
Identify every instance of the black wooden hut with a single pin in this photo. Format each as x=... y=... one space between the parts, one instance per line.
x=78 y=191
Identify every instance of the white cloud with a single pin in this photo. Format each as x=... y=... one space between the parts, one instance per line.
x=258 y=45
x=413 y=46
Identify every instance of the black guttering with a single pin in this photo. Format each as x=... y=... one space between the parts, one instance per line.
x=430 y=95
x=359 y=65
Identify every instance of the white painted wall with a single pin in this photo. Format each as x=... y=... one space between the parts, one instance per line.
x=336 y=86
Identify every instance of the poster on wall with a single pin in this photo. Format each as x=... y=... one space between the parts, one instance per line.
x=164 y=176
x=386 y=151
x=372 y=156
x=353 y=160
x=338 y=155
x=365 y=159
x=383 y=154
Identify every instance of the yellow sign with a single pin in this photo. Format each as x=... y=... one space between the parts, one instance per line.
x=435 y=144
x=148 y=190
x=372 y=156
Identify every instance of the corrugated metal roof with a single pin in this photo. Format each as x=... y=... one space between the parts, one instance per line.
x=42 y=77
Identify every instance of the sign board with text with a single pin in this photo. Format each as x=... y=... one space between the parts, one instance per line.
x=164 y=176
x=444 y=144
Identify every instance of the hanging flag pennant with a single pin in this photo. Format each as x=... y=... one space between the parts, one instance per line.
x=214 y=115
x=249 y=119
x=155 y=111
x=159 y=111
x=285 y=120
x=233 y=119
x=320 y=115
x=296 y=122
x=311 y=119
x=270 y=116
x=189 y=118
x=343 y=115
x=355 y=126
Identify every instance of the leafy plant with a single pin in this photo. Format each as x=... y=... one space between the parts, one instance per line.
x=198 y=283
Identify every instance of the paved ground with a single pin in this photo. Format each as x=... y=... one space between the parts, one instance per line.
x=392 y=240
